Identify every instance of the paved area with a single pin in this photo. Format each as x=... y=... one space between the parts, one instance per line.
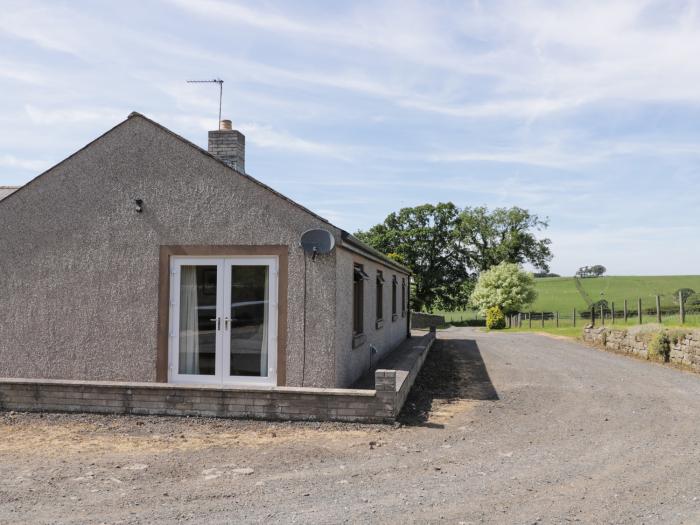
x=501 y=428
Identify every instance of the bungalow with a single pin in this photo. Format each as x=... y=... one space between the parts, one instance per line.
x=143 y=258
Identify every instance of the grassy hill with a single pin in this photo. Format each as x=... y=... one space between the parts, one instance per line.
x=561 y=294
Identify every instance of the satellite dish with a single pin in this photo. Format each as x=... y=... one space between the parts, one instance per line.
x=317 y=241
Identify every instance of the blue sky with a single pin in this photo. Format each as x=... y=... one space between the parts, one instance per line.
x=584 y=112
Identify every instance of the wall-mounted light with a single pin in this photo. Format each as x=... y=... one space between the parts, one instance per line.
x=139 y=205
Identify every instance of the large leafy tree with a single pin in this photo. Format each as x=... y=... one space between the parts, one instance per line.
x=423 y=238
x=504 y=234
x=446 y=248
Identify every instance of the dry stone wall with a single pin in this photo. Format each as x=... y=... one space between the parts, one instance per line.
x=684 y=345
x=423 y=320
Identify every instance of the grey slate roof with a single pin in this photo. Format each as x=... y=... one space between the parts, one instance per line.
x=6 y=190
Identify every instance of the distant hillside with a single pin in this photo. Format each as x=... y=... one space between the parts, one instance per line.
x=561 y=293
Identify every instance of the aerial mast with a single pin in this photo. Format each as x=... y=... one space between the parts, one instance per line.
x=221 y=92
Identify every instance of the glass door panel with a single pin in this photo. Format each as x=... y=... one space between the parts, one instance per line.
x=197 y=334
x=248 y=316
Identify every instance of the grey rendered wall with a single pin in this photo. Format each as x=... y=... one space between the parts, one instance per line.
x=351 y=362
x=79 y=267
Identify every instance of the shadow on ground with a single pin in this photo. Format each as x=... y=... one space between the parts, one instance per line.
x=454 y=370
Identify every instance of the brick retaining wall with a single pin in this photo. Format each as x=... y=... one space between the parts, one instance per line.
x=685 y=351
x=289 y=403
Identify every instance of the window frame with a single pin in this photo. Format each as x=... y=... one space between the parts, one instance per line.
x=358 y=309
x=403 y=297
x=379 y=300
x=394 y=309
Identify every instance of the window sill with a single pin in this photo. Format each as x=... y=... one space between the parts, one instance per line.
x=358 y=340
x=379 y=324
x=394 y=317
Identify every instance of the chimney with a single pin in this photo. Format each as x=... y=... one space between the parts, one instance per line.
x=228 y=145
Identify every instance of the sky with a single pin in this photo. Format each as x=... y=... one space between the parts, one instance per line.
x=587 y=113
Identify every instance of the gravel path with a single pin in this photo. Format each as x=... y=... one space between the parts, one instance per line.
x=500 y=428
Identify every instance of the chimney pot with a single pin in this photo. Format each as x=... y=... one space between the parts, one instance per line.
x=225 y=125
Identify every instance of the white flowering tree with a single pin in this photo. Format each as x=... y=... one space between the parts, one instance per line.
x=507 y=286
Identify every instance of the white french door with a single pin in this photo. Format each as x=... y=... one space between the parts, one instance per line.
x=223 y=320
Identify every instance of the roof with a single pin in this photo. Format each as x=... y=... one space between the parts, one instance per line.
x=347 y=240
x=7 y=190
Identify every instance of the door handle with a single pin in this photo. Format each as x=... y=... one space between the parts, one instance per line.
x=226 y=323
x=218 y=322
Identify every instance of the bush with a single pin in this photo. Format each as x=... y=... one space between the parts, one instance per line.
x=660 y=346
x=495 y=320
x=506 y=286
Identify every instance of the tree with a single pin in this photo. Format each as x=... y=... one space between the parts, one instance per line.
x=596 y=270
x=684 y=294
x=446 y=248
x=423 y=238
x=506 y=286
x=502 y=235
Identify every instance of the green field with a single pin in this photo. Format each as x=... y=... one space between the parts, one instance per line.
x=560 y=294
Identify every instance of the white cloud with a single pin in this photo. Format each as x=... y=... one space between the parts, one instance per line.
x=10 y=161
x=46 y=116
x=266 y=137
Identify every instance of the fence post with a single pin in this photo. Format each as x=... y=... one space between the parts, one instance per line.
x=542 y=319
x=574 y=316
x=639 y=309
x=682 y=307
x=557 y=314
x=529 y=320
x=602 y=316
x=612 y=313
x=625 y=311
x=658 y=309
x=592 y=315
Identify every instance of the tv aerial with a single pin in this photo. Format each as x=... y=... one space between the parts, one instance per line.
x=317 y=241
x=221 y=91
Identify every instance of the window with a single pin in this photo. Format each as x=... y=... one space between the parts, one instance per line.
x=403 y=297
x=358 y=295
x=380 y=299
x=393 y=298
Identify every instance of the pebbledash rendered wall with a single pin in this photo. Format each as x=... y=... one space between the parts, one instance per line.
x=684 y=351
x=352 y=362
x=79 y=268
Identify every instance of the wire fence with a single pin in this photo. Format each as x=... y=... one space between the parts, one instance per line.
x=628 y=313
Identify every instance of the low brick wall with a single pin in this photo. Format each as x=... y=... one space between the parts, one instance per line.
x=423 y=320
x=684 y=351
x=381 y=405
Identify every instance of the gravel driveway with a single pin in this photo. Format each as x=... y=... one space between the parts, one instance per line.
x=500 y=428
